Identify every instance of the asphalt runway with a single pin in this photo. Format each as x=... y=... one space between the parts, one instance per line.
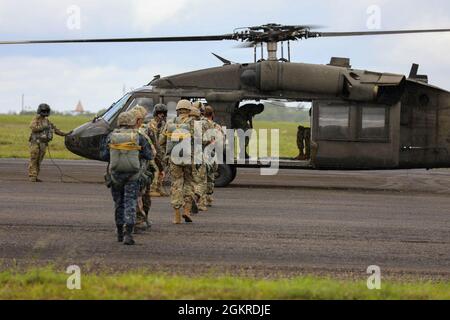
x=298 y=222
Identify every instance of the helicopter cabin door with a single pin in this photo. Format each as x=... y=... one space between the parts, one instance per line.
x=422 y=144
x=350 y=135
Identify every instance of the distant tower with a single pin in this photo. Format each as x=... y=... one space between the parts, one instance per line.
x=79 y=108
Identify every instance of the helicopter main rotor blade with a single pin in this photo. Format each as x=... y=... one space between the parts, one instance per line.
x=374 y=33
x=122 y=40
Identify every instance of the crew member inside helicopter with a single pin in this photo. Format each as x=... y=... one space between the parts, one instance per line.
x=242 y=118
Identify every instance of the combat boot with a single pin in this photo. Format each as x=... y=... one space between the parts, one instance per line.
x=187 y=212
x=163 y=193
x=119 y=233
x=209 y=200
x=194 y=208
x=177 y=219
x=202 y=204
x=128 y=239
x=155 y=194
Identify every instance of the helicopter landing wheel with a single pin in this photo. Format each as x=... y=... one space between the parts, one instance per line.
x=225 y=175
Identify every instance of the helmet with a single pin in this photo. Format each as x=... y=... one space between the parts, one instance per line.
x=160 y=108
x=197 y=105
x=195 y=112
x=43 y=110
x=184 y=104
x=126 y=119
x=209 y=111
x=139 y=112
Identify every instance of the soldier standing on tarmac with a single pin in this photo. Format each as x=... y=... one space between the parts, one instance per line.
x=156 y=125
x=199 y=168
x=211 y=168
x=144 y=198
x=42 y=131
x=176 y=132
x=127 y=153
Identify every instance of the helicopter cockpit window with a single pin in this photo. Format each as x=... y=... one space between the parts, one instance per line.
x=113 y=111
x=374 y=124
x=334 y=122
x=145 y=102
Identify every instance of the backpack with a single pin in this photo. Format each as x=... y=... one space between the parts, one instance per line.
x=124 y=151
x=176 y=133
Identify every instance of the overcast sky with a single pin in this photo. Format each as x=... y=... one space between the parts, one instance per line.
x=96 y=73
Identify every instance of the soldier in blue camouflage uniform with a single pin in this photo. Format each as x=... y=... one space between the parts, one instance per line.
x=123 y=148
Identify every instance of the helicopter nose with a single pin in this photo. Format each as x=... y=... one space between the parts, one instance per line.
x=72 y=142
x=87 y=139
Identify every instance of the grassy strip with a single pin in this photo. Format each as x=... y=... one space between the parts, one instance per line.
x=48 y=284
x=14 y=133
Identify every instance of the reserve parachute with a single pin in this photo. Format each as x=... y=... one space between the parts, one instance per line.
x=176 y=133
x=124 y=150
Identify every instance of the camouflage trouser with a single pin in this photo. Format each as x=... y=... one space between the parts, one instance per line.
x=144 y=204
x=181 y=189
x=199 y=179
x=210 y=178
x=304 y=141
x=125 y=199
x=37 y=153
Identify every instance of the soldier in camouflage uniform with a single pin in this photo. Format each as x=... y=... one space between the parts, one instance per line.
x=303 y=143
x=179 y=129
x=127 y=153
x=42 y=131
x=144 y=198
x=199 y=171
x=242 y=118
x=156 y=125
x=211 y=168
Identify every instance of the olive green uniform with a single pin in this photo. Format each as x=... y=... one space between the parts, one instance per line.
x=41 y=134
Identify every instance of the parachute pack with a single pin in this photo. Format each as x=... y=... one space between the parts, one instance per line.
x=176 y=133
x=124 y=151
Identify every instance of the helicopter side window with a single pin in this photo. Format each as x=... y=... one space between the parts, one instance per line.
x=334 y=122
x=113 y=111
x=145 y=102
x=374 y=123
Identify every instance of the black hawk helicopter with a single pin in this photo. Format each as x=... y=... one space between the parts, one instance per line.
x=360 y=119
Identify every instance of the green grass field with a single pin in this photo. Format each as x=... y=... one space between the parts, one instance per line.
x=15 y=131
x=47 y=284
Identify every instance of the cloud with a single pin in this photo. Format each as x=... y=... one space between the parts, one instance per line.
x=148 y=14
x=62 y=82
x=95 y=74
